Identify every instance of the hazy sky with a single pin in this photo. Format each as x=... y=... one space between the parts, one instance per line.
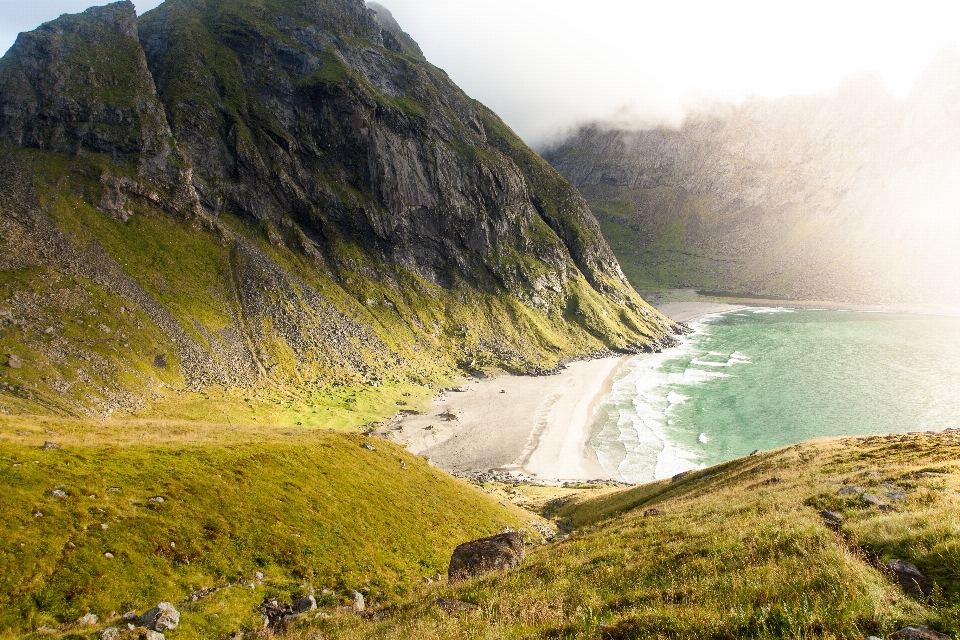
x=544 y=65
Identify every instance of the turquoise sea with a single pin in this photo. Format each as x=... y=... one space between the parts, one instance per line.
x=763 y=378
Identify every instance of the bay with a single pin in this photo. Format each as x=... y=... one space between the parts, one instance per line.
x=762 y=378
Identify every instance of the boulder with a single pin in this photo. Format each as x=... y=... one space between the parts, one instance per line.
x=14 y=362
x=88 y=620
x=304 y=604
x=831 y=518
x=163 y=617
x=920 y=633
x=358 y=602
x=910 y=578
x=502 y=551
x=873 y=500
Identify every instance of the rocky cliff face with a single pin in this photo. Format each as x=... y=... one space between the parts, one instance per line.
x=850 y=196
x=282 y=192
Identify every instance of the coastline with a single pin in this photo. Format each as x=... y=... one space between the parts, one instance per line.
x=526 y=426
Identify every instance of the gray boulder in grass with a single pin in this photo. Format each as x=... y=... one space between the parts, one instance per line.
x=163 y=617
x=920 y=633
x=502 y=551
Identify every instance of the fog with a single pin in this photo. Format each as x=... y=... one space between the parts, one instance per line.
x=545 y=66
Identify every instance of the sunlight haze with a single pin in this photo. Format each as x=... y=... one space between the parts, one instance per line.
x=546 y=65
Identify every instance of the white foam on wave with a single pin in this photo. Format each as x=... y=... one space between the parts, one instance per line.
x=772 y=310
x=630 y=433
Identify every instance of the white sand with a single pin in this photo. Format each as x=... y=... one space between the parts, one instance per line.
x=693 y=309
x=537 y=426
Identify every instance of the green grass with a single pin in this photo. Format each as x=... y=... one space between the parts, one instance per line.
x=309 y=508
x=733 y=556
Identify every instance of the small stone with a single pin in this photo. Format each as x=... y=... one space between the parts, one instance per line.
x=157 y=499
x=58 y=493
x=850 y=491
x=88 y=620
x=153 y=635
x=103 y=526
x=108 y=555
x=773 y=480
x=163 y=617
x=110 y=633
x=258 y=576
x=920 y=633
x=831 y=518
x=910 y=577
x=652 y=511
x=873 y=500
x=358 y=603
x=47 y=446
x=931 y=474
x=160 y=361
x=368 y=446
x=13 y=361
x=37 y=514
x=304 y=604
x=130 y=616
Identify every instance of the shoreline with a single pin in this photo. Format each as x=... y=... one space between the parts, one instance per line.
x=532 y=428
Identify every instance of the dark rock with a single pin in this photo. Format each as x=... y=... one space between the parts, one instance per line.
x=451 y=606
x=920 y=633
x=278 y=616
x=873 y=500
x=773 y=480
x=304 y=604
x=163 y=617
x=652 y=511
x=832 y=519
x=910 y=578
x=160 y=361
x=680 y=476
x=502 y=551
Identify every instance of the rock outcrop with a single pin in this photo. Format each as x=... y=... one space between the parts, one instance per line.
x=284 y=192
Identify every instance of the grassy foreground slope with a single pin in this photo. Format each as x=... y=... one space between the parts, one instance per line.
x=186 y=507
x=740 y=551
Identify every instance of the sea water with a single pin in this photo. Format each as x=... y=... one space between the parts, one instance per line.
x=763 y=378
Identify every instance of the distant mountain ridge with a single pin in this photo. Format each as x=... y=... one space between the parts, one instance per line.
x=853 y=196
x=283 y=194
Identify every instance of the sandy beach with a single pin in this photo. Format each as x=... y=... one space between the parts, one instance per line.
x=536 y=426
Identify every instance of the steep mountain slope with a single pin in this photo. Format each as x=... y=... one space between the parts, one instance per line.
x=278 y=195
x=850 y=197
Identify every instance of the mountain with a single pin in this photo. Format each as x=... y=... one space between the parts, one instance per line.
x=280 y=197
x=851 y=196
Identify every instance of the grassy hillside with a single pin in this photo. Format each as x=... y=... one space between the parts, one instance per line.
x=308 y=508
x=740 y=551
